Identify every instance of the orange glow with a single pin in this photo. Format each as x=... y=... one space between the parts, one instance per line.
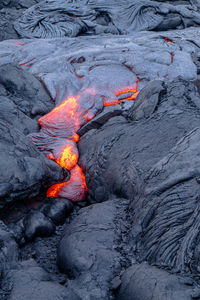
x=53 y=191
x=71 y=104
x=50 y=156
x=88 y=116
x=129 y=90
x=117 y=102
x=132 y=97
x=76 y=138
x=124 y=91
x=166 y=39
x=64 y=120
x=110 y=103
x=74 y=189
x=66 y=109
x=68 y=158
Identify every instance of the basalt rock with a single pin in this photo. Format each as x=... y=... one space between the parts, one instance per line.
x=170 y=183
x=8 y=250
x=28 y=280
x=24 y=171
x=11 y=114
x=9 y=254
x=87 y=251
x=10 y=10
x=37 y=224
x=25 y=91
x=161 y=285
x=58 y=210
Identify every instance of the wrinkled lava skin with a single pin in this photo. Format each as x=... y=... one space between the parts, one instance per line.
x=75 y=189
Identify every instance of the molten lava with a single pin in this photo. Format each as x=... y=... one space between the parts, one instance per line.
x=166 y=39
x=117 y=102
x=74 y=189
x=128 y=90
x=67 y=157
x=131 y=91
x=58 y=137
x=64 y=120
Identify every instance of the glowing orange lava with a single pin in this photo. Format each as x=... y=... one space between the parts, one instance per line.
x=71 y=104
x=64 y=119
x=76 y=138
x=68 y=158
x=116 y=102
x=128 y=90
x=166 y=39
x=122 y=92
x=53 y=191
x=74 y=189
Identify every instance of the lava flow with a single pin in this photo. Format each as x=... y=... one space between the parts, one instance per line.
x=166 y=39
x=75 y=189
x=130 y=91
x=58 y=137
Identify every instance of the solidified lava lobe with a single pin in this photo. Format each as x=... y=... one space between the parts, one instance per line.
x=58 y=137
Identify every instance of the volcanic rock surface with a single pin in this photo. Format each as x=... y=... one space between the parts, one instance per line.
x=100 y=102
